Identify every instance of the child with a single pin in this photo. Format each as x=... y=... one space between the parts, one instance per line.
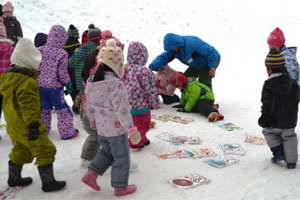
x=22 y=110
x=84 y=36
x=279 y=111
x=71 y=46
x=163 y=81
x=196 y=97
x=13 y=27
x=79 y=57
x=108 y=111
x=53 y=77
x=40 y=39
x=277 y=39
x=6 y=49
x=141 y=90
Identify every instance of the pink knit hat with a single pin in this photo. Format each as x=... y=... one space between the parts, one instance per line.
x=113 y=57
x=276 y=38
x=2 y=29
x=8 y=7
x=106 y=35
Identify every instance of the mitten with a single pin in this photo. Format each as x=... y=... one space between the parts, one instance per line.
x=69 y=88
x=178 y=106
x=33 y=131
x=181 y=110
x=134 y=136
x=93 y=124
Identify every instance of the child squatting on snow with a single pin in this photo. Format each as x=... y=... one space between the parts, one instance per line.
x=196 y=97
x=279 y=111
x=163 y=81
x=108 y=110
x=22 y=110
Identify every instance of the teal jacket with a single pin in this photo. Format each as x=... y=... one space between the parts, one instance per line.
x=194 y=92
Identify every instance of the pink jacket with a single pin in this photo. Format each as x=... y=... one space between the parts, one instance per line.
x=108 y=107
x=163 y=81
x=6 y=49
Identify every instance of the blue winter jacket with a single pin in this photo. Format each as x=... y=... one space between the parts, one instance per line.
x=193 y=52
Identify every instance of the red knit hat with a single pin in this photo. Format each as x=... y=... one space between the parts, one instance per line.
x=276 y=38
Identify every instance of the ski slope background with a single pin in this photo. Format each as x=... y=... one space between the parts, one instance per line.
x=238 y=29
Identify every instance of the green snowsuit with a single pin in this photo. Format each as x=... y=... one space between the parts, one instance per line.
x=22 y=107
x=194 y=92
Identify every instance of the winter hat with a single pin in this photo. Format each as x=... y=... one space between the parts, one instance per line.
x=91 y=26
x=2 y=29
x=276 y=38
x=73 y=32
x=7 y=7
x=274 y=59
x=26 y=55
x=113 y=57
x=40 y=39
x=94 y=34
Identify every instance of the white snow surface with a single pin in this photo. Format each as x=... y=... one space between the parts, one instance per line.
x=238 y=29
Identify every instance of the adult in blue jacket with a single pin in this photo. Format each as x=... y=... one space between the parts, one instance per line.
x=202 y=58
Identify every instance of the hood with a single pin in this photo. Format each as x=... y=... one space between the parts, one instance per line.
x=290 y=51
x=137 y=54
x=100 y=90
x=13 y=78
x=40 y=39
x=281 y=85
x=57 y=37
x=26 y=55
x=5 y=46
x=172 y=41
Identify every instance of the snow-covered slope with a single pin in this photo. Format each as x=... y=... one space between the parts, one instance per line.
x=238 y=29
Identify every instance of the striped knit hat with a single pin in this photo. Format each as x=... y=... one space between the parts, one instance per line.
x=94 y=34
x=274 y=59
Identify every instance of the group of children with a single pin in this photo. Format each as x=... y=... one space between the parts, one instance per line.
x=115 y=97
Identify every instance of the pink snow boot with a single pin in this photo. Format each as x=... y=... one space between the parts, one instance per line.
x=90 y=178
x=125 y=190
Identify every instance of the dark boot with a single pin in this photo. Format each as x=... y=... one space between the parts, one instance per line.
x=15 y=178
x=49 y=183
x=278 y=154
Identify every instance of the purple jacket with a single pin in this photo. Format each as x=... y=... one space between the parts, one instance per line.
x=54 y=65
x=108 y=107
x=139 y=80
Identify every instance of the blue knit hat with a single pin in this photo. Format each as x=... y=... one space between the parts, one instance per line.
x=94 y=34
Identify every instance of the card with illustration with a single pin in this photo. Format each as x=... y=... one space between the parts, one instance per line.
x=164 y=118
x=232 y=149
x=203 y=152
x=255 y=140
x=229 y=126
x=222 y=161
x=188 y=181
x=186 y=121
x=185 y=140
x=169 y=137
x=176 y=154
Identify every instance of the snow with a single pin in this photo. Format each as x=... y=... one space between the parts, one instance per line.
x=238 y=29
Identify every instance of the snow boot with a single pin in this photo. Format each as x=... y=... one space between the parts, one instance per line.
x=125 y=190
x=49 y=183
x=90 y=179
x=214 y=116
x=291 y=165
x=15 y=178
x=278 y=154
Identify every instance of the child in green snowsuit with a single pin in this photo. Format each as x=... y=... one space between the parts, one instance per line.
x=196 y=97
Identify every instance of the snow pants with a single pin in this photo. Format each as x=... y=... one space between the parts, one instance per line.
x=24 y=151
x=142 y=122
x=285 y=137
x=90 y=146
x=54 y=98
x=114 y=152
x=204 y=107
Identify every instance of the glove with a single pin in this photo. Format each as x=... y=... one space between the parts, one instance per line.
x=33 y=131
x=181 y=110
x=134 y=136
x=178 y=106
x=69 y=88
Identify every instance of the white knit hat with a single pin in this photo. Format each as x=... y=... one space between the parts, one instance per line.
x=8 y=7
x=26 y=55
x=113 y=57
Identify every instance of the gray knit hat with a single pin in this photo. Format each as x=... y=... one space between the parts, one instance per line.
x=73 y=32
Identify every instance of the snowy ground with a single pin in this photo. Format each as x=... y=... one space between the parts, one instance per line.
x=238 y=29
